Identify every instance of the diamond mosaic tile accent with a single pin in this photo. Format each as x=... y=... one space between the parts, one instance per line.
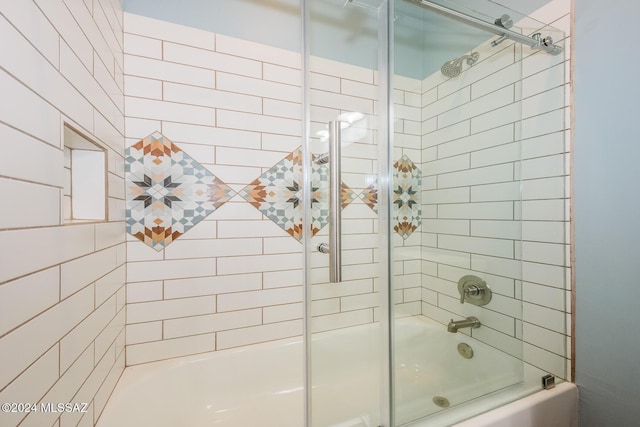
x=277 y=193
x=370 y=197
x=168 y=192
x=406 y=197
x=347 y=195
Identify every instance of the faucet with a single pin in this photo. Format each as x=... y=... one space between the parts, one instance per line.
x=469 y=322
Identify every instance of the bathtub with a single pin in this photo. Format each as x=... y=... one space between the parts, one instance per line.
x=262 y=384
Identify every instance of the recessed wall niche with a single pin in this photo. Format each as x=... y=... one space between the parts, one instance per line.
x=84 y=192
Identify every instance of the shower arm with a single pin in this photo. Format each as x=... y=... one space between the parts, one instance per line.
x=535 y=42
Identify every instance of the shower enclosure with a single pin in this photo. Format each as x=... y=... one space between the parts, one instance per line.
x=421 y=118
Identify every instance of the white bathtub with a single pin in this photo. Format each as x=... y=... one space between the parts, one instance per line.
x=262 y=385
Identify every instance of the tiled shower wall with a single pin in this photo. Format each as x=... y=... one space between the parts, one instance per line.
x=236 y=277
x=62 y=291
x=472 y=169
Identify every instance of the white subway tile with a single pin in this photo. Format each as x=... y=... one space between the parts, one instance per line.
x=324 y=82
x=240 y=229
x=478 y=141
x=35 y=26
x=258 y=123
x=443 y=256
x=484 y=210
x=168 y=71
x=499 y=340
x=362 y=90
x=446 y=226
x=233 y=265
x=27 y=297
x=510 y=113
x=18 y=115
x=195 y=95
x=213 y=136
x=281 y=313
x=549 y=188
x=257 y=51
x=320 y=307
x=161 y=110
x=496 y=192
x=164 y=30
x=477 y=176
x=144 y=332
x=449 y=164
x=43 y=244
x=499 y=79
x=204 y=58
x=547 y=296
x=19 y=349
x=544 y=231
x=447 y=134
x=359 y=302
x=181 y=288
x=258 y=87
x=261 y=298
x=544 y=317
x=447 y=103
x=142 y=46
x=551 y=275
x=209 y=248
x=78 y=339
x=544 y=102
x=111 y=283
x=30 y=159
x=278 y=279
x=498 y=266
x=277 y=73
x=144 y=291
x=545 y=360
x=31 y=385
x=167 y=309
x=340 y=102
x=495 y=155
x=76 y=274
x=32 y=197
x=496 y=229
x=167 y=349
x=341 y=69
x=543 y=210
x=170 y=269
x=143 y=88
x=291 y=110
x=195 y=325
x=341 y=320
x=256 y=334
x=478 y=245
x=542 y=124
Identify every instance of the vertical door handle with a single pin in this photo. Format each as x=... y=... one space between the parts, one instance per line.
x=335 y=203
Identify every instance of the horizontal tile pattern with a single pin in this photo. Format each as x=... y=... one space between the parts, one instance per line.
x=61 y=287
x=235 y=107
x=495 y=194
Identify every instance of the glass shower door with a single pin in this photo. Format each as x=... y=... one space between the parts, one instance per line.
x=345 y=154
x=462 y=103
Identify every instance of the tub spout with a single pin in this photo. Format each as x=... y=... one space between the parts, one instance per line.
x=469 y=322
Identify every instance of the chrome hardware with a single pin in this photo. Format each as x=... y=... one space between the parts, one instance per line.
x=469 y=322
x=323 y=248
x=548 y=382
x=504 y=21
x=335 y=203
x=465 y=350
x=499 y=40
x=474 y=290
x=499 y=27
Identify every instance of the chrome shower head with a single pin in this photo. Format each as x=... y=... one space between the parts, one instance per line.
x=453 y=68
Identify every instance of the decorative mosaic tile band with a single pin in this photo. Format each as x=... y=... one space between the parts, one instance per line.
x=168 y=192
x=406 y=197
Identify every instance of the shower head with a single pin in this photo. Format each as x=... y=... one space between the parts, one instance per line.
x=453 y=68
